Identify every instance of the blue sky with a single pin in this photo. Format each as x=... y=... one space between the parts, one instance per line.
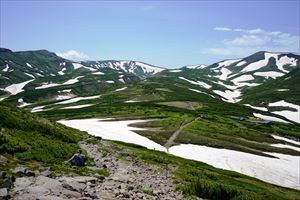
x=164 y=33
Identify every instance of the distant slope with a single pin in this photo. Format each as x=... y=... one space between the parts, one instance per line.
x=286 y=87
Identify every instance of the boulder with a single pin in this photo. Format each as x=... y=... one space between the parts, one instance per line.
x=3 y=193
x=78 y=159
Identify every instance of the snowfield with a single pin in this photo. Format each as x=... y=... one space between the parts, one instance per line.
x=202 y=84
x=230 y=96
x=256 y=107
x=76 y=99
x=285 y=139
x=269 y=118
x=78 y=106
x=270 y=74
x=283 y=171
x=291 y=115
x=113 y=130
x=17 y=88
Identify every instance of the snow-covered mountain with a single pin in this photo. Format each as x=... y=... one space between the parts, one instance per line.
x=135 y=67
x=229 y=78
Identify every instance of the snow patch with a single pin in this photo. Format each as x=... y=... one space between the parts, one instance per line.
x=6 y=68
x=17 y=88
x=113 y=130
x=76 y=99
x=257 y=108
x=202 y=84
x=78 y=106
x=270 y=74
x=269 y=118
x=283 y=171
x=285 y=139
x=230 y=96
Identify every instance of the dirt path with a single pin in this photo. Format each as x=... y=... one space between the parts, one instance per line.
x=176 y=133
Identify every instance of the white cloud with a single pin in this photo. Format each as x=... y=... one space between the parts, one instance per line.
x=222 y=29
x=249 y=41
x=73 y=55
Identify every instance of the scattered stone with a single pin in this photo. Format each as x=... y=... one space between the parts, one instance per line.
x=3 y=159
x=101 y=177
x=7 y=183
x=73 y=185
x=3 y=192
x=29 y=173
x=19 y=170
x=46 y=173
x=78 y=159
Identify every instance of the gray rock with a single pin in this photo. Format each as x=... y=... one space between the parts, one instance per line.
x=29 y=173
x=19 y=170
x=72 y=184
x=78 y=160
x=7 y=183
x=3 y=192
x=3 y=159
x=46 y=173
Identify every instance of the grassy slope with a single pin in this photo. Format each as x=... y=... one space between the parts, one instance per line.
x=267 y=92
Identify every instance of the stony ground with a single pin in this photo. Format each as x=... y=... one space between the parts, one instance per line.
x=128 y=179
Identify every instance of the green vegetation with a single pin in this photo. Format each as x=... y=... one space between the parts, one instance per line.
x=268 y=92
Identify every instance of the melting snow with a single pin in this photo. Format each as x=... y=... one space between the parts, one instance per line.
x=225 y=72
x=291 y=115
x=285 y=139
x=78 y=106
x=110 y=81
x=286 y=146
x=73 y=100
x=37 y=109
x=257 y=108
x=282 y=90
x=270 y=74
x=29 y=75
x=78 y=65
x=269 y=118
x=241 y=63
x=6 y=68
x=175 y=70
x=29 y=65
x=113 y=130
x=225 y=63
x=202 y=84
x=120 y=89
x=98 y=73
x=242 y=78
x=230 y=96
x=17 y=88
x=283 y=171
